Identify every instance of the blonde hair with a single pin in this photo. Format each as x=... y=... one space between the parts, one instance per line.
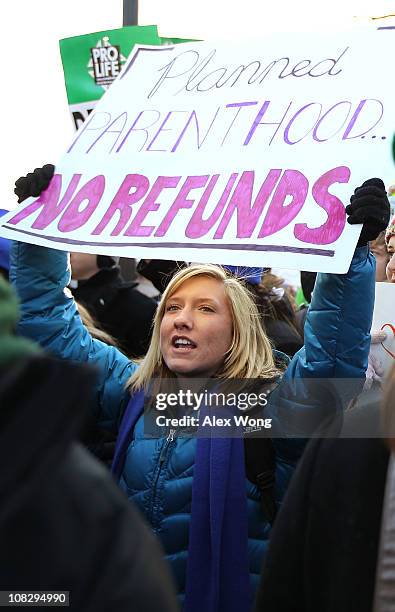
x=250 y=354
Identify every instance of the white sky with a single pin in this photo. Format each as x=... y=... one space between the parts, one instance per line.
x=36 y=125
x=246 y=18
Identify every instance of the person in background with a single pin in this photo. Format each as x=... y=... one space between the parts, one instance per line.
x=378 y=248
x=159 y=272
x=118 y=307
x=64 y=524
x=391 y=197
x=274 y=305
x=390 y=242
x=93 y=327
x=278 y=315
x=381 y=249
x=333 y=544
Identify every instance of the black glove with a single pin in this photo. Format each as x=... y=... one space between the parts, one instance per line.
x=370 y=206
x=34 y=183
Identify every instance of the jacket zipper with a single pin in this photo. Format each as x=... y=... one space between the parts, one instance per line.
x=162 y=457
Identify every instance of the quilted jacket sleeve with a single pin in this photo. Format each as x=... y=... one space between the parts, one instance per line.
x=49 y=316
x=329 y=370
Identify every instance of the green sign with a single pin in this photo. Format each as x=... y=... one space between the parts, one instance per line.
x=93 y=61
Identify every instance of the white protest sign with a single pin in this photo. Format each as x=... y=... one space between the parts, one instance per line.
x=230 y=153
x=384 y=320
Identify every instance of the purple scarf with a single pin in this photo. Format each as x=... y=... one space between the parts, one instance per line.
x=217 y=567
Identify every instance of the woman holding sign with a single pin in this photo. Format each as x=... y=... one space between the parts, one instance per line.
x=198 y=493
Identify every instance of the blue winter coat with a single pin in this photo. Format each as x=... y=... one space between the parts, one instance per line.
x=158 y=473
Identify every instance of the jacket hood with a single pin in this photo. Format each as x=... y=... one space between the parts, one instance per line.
x=43 y=403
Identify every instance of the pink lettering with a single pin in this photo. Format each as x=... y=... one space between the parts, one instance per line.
x=292 y=183
x=123 y=201
x=73 y=217
x=181 y=201
x=333 y=227
x=150 y=204
x=247 y=215
x=198 y=226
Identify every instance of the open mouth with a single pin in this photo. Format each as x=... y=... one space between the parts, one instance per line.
x=182 y=343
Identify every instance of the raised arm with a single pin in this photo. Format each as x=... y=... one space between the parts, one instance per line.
x=49 y=315
x=338 y=323
x=337 y=330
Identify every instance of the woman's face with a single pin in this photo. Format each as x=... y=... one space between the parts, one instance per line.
x=196 y=329
x=381 y=255
x=390 y=271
